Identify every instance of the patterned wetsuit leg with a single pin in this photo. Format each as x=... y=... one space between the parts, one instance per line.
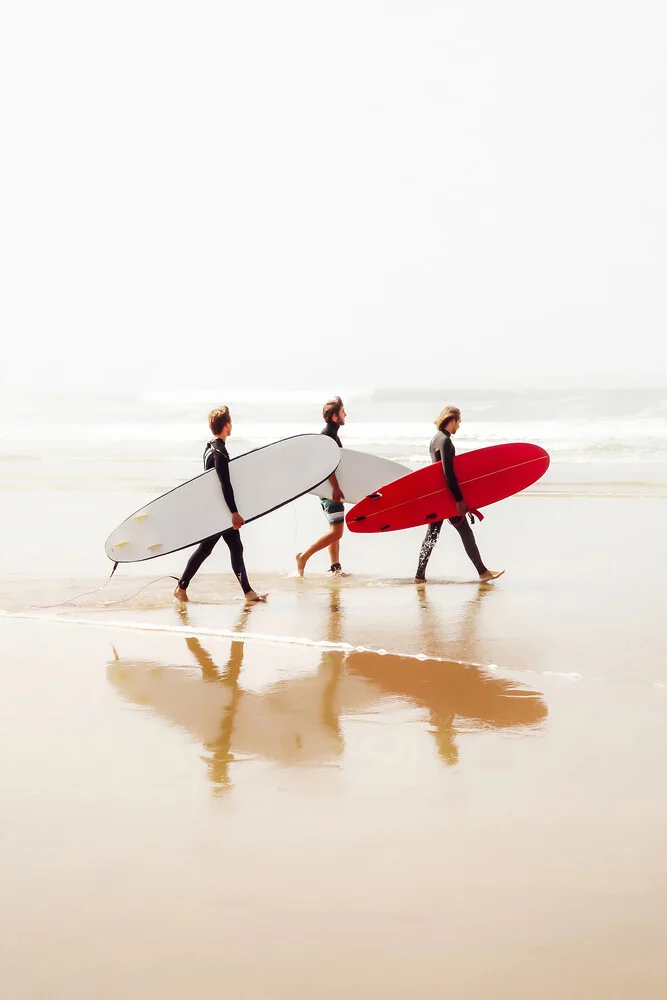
x=467 y=537
x=431 y=537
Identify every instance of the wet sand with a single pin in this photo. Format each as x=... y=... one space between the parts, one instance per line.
x=362 y=788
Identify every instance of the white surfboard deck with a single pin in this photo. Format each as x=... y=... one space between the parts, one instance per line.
x=263 y=480
x=359 y=474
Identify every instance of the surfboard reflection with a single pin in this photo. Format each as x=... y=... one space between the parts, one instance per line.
x=299 y=721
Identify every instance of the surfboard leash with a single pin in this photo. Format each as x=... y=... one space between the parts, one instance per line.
x=472 y=514
x=108 y=604
x=89 y=593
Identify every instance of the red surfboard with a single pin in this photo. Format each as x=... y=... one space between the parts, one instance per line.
x=485 y=476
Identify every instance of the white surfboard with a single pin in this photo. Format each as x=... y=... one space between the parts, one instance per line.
x=263 y=480
x=360 y=473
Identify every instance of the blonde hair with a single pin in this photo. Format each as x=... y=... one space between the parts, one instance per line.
x=443 y=418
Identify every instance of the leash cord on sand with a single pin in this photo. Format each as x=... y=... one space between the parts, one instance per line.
x=88 y=593
x=150 y=583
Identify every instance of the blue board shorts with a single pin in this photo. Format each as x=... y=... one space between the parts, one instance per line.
x=334 y=510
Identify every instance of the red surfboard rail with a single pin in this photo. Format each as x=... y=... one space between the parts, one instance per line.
x=485 y=476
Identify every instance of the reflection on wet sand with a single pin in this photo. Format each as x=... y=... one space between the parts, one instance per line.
x=293 y=721
x=298 y=720
x=457 y=696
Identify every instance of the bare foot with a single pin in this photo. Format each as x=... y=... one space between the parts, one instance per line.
x=491 y=574
x=181 y=595
x=252 y=598
x=300 y=563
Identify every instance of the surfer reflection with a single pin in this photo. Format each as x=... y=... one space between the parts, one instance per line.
x=219 y=755
x=271 y=709
x=458 y=696
x=331 y=666
x=205 y=704
x=291 y=721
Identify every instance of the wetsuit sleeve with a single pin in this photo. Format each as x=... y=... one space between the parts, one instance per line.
x=222 y=470
x=448 y=465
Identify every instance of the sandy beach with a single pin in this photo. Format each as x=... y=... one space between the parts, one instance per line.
x=361 y=787
x=379 y=221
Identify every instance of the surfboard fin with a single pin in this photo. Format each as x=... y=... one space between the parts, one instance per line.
x=374 y=496
x=155 y=545
x=139 y=517
x=119 y=545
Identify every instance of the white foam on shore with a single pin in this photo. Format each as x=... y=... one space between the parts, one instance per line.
x=224 y=633
x=321 y=644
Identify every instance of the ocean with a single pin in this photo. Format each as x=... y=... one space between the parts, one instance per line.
x=115 y=432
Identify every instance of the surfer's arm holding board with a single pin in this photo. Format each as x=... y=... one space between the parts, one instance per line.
x=448 y=453
x=221 y=464
x=338 y=494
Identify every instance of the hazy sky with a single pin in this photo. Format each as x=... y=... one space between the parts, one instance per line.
x=282 y=193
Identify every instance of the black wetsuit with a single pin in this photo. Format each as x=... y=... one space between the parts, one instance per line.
x=331 y=430
x=442 y=450
x=216 y=456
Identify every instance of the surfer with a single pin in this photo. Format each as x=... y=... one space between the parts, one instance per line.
x=333 y=413
x=442 y=450
x=216 y=456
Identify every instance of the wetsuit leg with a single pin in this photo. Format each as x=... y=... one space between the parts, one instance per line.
x=233 y=539
x=431 y=537
x=201 y=553
x=469 y=543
